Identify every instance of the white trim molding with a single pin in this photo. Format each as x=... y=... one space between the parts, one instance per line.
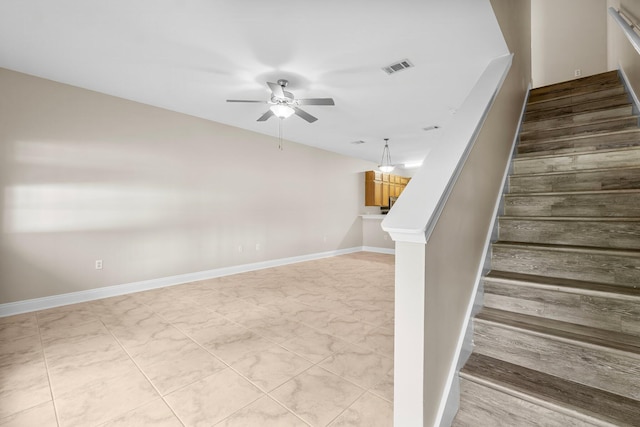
x=36 y=304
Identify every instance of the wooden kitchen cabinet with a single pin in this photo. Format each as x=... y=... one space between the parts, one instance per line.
x=380 y=186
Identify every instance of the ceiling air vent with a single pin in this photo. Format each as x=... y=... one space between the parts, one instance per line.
x=398 y=66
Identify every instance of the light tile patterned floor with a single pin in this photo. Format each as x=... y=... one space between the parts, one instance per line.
x=303 y=344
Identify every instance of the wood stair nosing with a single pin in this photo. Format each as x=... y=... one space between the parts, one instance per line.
x=576 y=118
x=631 y=253
x=592 y=128
x=576 y=171
x=607 y=101
x=568 y=397
x=564 y=285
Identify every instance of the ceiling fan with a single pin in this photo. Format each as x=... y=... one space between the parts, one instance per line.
x=284 y=104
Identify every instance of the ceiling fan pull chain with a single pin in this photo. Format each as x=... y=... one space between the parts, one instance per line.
x=280 y=135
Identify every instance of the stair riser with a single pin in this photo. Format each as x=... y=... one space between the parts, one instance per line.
x=583 y=129
x=574 y=205
x=604 y=312
x=578 y=162
x=620 y=235
x=484 y=406
x=613 y=101
x=616 y=179
x=576 y=99
x=577 y=119
x=599 y=367
x=577 y=145
x=535 y=97
x=587 y=81
x=588 y=266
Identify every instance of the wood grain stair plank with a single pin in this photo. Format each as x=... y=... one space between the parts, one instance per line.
x=578 y=99
x=573 y=119
x=606 y=77
x=609 y=203
x=578 y=107
x=588 y=232
x=611 y=266
x=578 y=144
x=567 y=351
x=603 y=310
x=603 y=159
x=535 y=98
x=550 y=392
x=593 y=128
x=577 y=180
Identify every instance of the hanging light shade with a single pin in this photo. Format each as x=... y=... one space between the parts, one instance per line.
x=385 y=163
x=282 y=111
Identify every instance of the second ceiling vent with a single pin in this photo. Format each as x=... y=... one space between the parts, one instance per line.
x=398 y=66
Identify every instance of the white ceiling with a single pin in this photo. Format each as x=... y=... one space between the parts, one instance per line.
x=191 y=55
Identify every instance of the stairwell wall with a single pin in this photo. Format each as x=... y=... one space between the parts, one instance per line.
x=454 y=252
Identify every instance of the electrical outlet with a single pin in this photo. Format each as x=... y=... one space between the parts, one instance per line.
x=577 y=72
x=324 y=238
x=257 y=246
x=240 y=248
x=98 y=264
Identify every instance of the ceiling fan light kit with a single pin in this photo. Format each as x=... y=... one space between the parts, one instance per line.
x=284 y=104
x=385 y=165
x=282 y=111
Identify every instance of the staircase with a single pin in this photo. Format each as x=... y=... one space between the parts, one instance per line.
x=557 y=342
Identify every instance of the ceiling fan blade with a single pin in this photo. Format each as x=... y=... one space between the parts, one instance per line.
x=316 y=101
x=276 y=89
x=265 y=116
x=301 y=113
x=246 y=100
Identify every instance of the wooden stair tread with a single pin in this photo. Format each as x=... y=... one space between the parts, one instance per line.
x=566 y=285
x=634 y=149
x=577 y=125
x=562 y=330
x=571 y=92
x=551 y=391
x=576 y=171
x=625 y=135
x=582 y=81
x=567 y=248
x=577 y=113
x=578 y=106
x=574 y=193
x=571 y=218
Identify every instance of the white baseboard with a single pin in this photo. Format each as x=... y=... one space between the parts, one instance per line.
x=36 y=304
x=387 y=251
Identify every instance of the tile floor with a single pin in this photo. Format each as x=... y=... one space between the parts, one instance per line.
x=303 y=344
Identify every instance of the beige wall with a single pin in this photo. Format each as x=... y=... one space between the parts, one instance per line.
x=153 y=193
x=567 y=35
x=454 y=250
x=374 y=236
x=621 y=53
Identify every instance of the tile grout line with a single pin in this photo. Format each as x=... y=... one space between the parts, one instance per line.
x=143 y=374
x=46 y=366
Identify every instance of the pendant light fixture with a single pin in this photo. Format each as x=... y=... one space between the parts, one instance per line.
x=385 y=165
